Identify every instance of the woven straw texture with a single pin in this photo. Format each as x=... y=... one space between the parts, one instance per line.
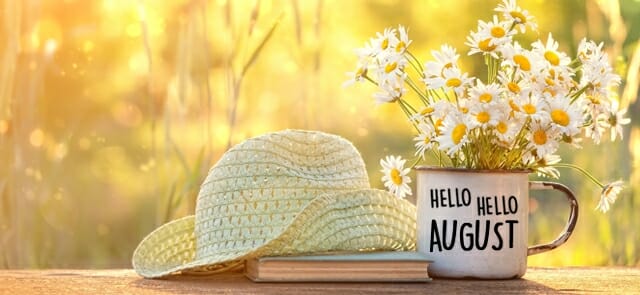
x=283 y=193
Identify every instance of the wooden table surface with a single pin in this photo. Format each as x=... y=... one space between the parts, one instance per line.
x=573 y=280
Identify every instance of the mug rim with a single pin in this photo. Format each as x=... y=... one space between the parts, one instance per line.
x=467 y=170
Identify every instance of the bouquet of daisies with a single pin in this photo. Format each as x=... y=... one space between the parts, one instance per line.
x=533 y=99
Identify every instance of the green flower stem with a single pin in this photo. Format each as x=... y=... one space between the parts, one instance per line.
x=369 y=79
x=575 y=61
x=435 y=93
x=418 y=159
x=404 y=106
x=409 y=107
x=581 y=170
x=417 y=61
x=416 y=68
x=413 y=86
x=579 y=92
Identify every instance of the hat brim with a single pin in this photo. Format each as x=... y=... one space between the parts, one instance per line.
x=358 y=220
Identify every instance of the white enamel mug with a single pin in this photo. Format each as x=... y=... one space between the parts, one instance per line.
x=474 y=223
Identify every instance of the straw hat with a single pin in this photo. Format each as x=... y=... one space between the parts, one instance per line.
x=284 y=193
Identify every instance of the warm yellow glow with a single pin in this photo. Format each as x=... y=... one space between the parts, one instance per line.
x=36 y=137
x=4 y=126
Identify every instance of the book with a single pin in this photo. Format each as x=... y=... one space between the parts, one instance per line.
x=361 y=267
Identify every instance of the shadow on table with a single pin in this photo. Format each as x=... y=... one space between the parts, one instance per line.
x=232 y=283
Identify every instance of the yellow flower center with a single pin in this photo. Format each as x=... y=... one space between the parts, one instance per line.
x=513 y=87
x=464 y=110
x=447 y=66
x=540 y=137
x=458 y=132
x=384 y=44
x=550 y=91
x=390 y=67
x=549 y=81
x=485 y=45
x=437 y=126
x=552 y=57
x=514 y=106
x=483 y=117
x=529 y=109
x=453 y=82
x=502 y=127
x=518 y=16
x=522 y=61
x=400 y=47
x=486 y=97
x=560 y=117
x=497 y=32
x=426 y=111
x=395 y=176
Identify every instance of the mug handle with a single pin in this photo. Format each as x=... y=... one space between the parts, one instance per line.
x=571 y=223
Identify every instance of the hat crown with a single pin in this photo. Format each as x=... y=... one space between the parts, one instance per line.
x=259 y=186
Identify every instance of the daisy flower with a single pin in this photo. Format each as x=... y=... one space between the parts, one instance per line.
x=517 y=57
x=589 y=50
x=532 y=106
x=513 y=88
x=513 y=13
x=445 y=58
x=482 y=42
x=542 y=139
x=565 y=116
x=549 y=52
x=609 y=195
x=452 y=79
x=454 y=134
x=390 y=91
x=616 y=120
x=506 y=129
x=597 y=128
x=484 y=93
x=596 y=70
x=383 y=42
x=422 y=115
x=391 y=68
x=543 y=166
x=573 y=140
x=401 y=44
x=424 y=140
x=395 y=177
x=497 y=30
x=357 y=76
x=599 y=77
x=484 y=115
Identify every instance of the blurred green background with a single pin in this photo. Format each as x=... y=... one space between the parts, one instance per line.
x=112 y=111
